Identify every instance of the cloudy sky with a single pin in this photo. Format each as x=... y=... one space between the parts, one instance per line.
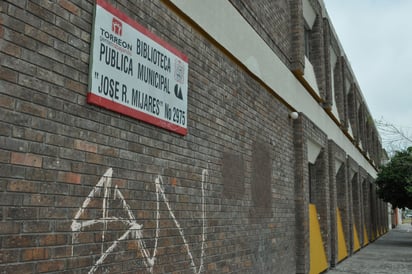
x=376 y=36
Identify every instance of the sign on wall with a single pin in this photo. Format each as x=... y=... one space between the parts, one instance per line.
x=135 y=73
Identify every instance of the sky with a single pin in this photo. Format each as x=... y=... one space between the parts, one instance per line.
x=376 y=36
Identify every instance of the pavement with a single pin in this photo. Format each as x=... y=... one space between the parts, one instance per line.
x=390 y=254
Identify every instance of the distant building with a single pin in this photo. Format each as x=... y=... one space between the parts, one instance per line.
x=181 y=136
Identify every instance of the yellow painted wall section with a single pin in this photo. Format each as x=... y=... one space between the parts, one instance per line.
x=356 y=243
x=365 y=236
x=342 y=250
x=318 y=262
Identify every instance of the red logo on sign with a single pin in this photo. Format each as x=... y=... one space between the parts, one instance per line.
x=117 y=26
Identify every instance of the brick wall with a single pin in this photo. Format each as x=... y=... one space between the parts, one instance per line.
x=76 y=177
x=86 y=190
x=320 y=187
x=301 y=197
x=337 y=157
x=273 y=21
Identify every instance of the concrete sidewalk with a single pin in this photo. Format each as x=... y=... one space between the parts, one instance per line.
x=390 y=254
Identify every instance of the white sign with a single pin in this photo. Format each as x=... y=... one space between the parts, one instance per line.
x=135 y=73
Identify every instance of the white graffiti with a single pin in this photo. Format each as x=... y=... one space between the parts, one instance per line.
x=135 y=230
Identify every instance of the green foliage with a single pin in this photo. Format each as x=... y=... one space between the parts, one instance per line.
x=395 y=180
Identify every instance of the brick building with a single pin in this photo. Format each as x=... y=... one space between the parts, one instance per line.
x=243 y=143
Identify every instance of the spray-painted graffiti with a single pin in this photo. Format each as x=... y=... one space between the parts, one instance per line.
x=107 y=193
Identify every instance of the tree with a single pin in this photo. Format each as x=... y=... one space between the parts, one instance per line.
x=394 y=137
x=395 y=180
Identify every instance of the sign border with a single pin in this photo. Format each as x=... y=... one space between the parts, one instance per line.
x=122 y=109
x=124 y=17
